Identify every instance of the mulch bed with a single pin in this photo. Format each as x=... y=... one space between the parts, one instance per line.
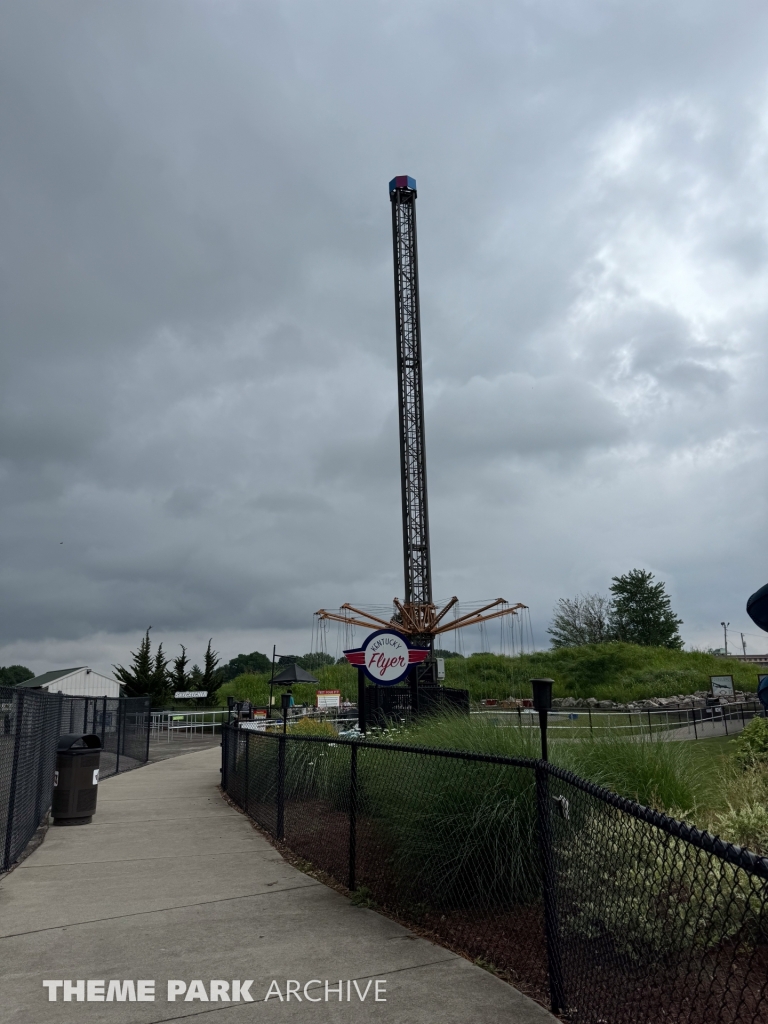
x=726 y=985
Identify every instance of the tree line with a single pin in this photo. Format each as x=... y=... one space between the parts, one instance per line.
x=159 y=677
x=638 y=611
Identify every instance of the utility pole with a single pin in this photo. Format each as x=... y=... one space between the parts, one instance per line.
x=725 y=626
x=743 y=645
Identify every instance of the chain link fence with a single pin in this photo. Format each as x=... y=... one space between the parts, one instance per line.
x=605 y=910
x=30 y=725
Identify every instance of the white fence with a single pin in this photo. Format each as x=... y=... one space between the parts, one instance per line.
x=169 y=724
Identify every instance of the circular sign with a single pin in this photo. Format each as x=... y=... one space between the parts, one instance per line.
x=387 y=657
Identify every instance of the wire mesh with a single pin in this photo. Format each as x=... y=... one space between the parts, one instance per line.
x=30 y=725
x=605 y=910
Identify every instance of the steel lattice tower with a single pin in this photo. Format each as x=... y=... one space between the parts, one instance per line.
x=413 y=461
x=416 y=616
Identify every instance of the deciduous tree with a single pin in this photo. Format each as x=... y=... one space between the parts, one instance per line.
x=580 y=620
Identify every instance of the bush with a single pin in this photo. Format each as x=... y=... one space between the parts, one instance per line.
x=745 y=826
x=752 y=744
x=312 y=727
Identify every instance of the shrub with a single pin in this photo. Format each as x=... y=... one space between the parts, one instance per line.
x=752 y=744
x=745 y=826
x=312 y=727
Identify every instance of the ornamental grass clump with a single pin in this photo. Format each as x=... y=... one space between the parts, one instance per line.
x=457 y=833
x=752 y=745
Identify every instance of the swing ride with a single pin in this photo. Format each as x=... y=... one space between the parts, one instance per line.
x=416 y=618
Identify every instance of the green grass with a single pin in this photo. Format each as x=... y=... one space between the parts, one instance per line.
x=620 y=672
x=664 y=775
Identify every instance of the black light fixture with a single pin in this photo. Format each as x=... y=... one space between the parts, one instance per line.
x=542 y=694
x=542 y=702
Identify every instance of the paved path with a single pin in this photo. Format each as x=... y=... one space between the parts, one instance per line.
x=170 y=883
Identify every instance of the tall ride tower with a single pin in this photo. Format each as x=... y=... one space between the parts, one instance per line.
x=413 y=461
x=416 y=616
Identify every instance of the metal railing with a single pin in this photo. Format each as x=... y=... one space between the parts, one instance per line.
x=699 y=723
x=173 y=723
x=604 y=909
x=30 y=725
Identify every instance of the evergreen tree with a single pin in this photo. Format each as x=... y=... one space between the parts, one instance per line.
x=137 y=680
x=159 y=689
x=178 y=676
x=641 y=612
x=212 y=677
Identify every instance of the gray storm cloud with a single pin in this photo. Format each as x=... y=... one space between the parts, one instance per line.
x=198 y=426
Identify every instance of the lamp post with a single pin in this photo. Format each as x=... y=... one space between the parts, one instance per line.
x=542 y=701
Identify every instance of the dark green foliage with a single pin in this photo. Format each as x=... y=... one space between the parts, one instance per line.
x=641 y=612
x=245 y=663
x=212 y=677
x=13 y=674
x=752 y=744
x=440 y=653
x=137 y=680
x=159 y=683
x=179 y=677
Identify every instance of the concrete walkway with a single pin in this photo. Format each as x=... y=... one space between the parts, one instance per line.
x=170 y=883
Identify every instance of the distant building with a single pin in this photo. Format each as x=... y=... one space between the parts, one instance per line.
x=74 y=682
x=751 y=659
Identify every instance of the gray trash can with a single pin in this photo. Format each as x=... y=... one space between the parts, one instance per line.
x=76 y=781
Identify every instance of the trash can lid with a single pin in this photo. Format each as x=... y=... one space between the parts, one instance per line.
x=79 y=740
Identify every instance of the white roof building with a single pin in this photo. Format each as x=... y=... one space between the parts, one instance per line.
x=75 y=682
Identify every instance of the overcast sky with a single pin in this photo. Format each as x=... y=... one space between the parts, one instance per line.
x=198 y=428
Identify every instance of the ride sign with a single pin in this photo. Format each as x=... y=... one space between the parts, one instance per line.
x=386 y=657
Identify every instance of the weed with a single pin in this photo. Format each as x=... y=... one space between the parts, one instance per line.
x=363 y=897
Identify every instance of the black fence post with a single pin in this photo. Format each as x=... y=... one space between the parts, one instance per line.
x=247 y=776
x=225 y=757
x=8 y=851
x=361 y=717
x=119 y=728
x=148 y=719
x=352 y=815
x=551 y=926
x=281 y=741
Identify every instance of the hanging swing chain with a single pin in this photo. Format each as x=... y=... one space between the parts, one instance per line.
x=420 y=619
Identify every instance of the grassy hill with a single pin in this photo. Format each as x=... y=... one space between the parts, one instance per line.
x=618 y=672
